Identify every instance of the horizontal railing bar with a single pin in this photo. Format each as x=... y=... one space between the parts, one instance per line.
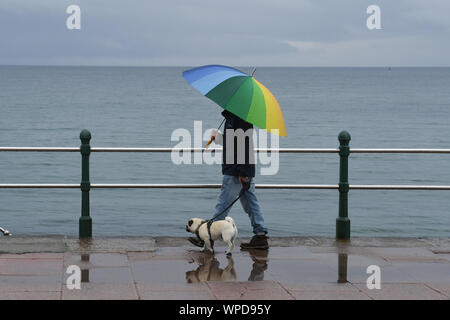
x=280 y=150
x=381 y=150
x=101 y=149
x=397 y=187
x=160 y=186
x=217 y=186
x=39 y=186
x=213 y=186
x=39 y=149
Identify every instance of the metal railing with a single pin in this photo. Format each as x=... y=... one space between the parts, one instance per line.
x=343 y=186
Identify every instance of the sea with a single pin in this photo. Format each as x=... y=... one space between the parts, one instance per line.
x=143 y=106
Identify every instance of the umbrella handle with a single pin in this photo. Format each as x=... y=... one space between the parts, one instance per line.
x=213 y=138
x=209 y=142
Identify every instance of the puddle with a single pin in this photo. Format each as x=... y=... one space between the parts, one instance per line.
x=101 y=268
x=184 y=265
x=178 y=265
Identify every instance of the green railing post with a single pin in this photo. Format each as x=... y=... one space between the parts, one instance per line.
x=342 y=221
x=85 y=224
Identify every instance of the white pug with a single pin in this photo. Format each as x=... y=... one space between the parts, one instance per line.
x=225 y=229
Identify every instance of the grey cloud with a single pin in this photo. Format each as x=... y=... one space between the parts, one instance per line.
x=259 y=32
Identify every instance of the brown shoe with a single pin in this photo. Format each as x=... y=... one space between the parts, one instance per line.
x=257 y=242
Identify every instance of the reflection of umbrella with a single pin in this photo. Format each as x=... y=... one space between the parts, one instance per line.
x=240 y=94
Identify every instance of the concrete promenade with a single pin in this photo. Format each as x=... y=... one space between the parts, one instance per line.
x=169 y=268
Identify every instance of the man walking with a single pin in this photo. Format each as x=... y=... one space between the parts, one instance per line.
x=238 y=169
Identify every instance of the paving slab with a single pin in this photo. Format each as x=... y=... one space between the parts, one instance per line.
x=430 y=272
x=23 y=266
x=96 y=260
x=441 y=288
x=30 y=283
x=101 y=291
x=329 y=295
x=301 y=271
x=402 y=291
x=392 y=274
x=258 y=290
x=39 y=295
x=169 y=291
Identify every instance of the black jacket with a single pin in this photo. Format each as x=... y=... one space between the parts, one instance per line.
x=246 y=169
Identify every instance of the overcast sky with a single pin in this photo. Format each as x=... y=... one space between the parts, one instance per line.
x=232 y=32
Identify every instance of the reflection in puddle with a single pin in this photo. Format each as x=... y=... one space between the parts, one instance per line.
x=85 y=272
x=259 y=258
x=342 y=268
x=209 y=268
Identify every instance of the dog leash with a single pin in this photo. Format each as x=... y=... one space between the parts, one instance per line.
x=230 y=205
x=244 y=188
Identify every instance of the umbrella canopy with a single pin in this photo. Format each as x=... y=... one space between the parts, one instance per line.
x=240 y=94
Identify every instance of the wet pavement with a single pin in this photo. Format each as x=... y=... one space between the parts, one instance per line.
x=169 y=268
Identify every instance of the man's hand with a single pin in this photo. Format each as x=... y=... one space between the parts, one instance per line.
x=213 y=134
x=211 y=138
x=245 y=181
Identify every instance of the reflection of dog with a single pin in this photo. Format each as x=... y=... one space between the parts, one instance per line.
x=209 y=231
x=5 y=232
x=209 y=270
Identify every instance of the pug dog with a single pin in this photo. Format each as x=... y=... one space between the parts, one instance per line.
x=225 y=229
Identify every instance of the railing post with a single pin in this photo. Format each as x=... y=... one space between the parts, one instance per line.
x=342 y=221
x=85 y=222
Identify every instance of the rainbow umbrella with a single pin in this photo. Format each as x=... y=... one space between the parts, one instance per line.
x=240 y=94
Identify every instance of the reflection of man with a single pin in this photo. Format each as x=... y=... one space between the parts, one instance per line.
x=238 y=169
x=259 y=258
